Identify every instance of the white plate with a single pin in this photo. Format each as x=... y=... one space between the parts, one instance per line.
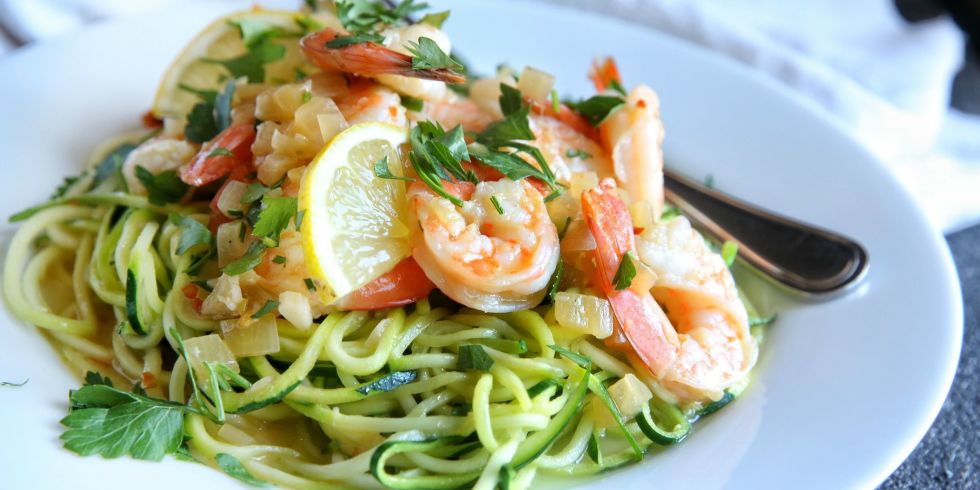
x=843 y=390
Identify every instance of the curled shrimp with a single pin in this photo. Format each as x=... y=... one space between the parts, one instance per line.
x=367 y=59
x=702 y=345
x=633 y=136
x=490 y=260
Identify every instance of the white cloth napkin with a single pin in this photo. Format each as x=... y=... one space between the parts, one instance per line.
x=888 y=81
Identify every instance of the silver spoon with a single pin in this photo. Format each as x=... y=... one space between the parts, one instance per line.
x=807 y=261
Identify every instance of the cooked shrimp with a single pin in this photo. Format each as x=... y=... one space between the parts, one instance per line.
x=482 y=258
x=156 y=156
x=566 y=149
x=703 y=344
x=210 y=164
x=367 y=59
x=452 y=110
x=633 y=136
x=367 y=101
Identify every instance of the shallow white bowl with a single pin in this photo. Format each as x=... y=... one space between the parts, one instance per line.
x=843 y=390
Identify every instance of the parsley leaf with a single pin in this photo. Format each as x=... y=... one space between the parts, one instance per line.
x=220 y=152
x=625 y=273
x=207 y=96
x=165 y=187
x=597 y=108
x=310 y=285
x=251 y=65
x=359 y=16
x=253 y=257
x=473 y=356
x=411 y=103
x=669 y=212
x=254 y=31
x=435 y=19
x=383 y=171
x=192 y=233
x=496 y=205
x=427 y=55
x=111 y=422
x=577 y=153
x=222 y=106
x=201 y=125
x=233 y=467
x=274 y=217
x=279 y=259
x=583 y=361
x=254 y=192
x=267 y=308
x=344 y=41
x=556 y=280
x=111 y=163
x=728 y=252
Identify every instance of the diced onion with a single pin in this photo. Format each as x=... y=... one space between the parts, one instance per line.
x=583 y=181
x=629 y=394
x=208 y=348
x=230 y=200
x=644 y=278
x=536 y=84
x=584 y=313
x=229 y=242
x=578 y=237
x=295 y=308
x=225 y=298
x=259 y=338
x=642 y=214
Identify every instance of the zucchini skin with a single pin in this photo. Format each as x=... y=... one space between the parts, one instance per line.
x=132 y=303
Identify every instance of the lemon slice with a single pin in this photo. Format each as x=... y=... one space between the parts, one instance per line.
x=222 y=40
x=353 y=221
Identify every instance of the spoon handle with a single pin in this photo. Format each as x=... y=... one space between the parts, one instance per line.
x=811 y=262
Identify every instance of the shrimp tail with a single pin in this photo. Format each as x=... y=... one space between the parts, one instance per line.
x=640 y=318
x=604 y=73
x=367 y=59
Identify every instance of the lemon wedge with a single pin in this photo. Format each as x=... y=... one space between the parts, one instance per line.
x=222 y=40
x=353 y=221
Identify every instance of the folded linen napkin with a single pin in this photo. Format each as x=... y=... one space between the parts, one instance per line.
x=886 y=80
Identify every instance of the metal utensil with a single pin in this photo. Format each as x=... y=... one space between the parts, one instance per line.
x=810 y=262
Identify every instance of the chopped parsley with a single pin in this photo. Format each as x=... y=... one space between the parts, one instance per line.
x=273 y=218
x=564 y=228
x=192 y=233
x=496 y=205
x=233 y=467
x=267 y=308
x=555 y=280
x=165 y=187
x=252 y=258
x=254 y=192
x=435 y=19
x=475 y=357
x=11 y=384
x=383 y=171
x=279 y=259
x=310 y=285
x=360 y=16
x=625 y=273
x=210 y=116
x=220 y=152
x=344 y=41
x=597 y=108
x=729 y=250
x=427 y=55
x=577 y=153
x=411 y=103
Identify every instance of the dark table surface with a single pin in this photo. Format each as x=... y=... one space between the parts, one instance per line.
x=949 y=455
